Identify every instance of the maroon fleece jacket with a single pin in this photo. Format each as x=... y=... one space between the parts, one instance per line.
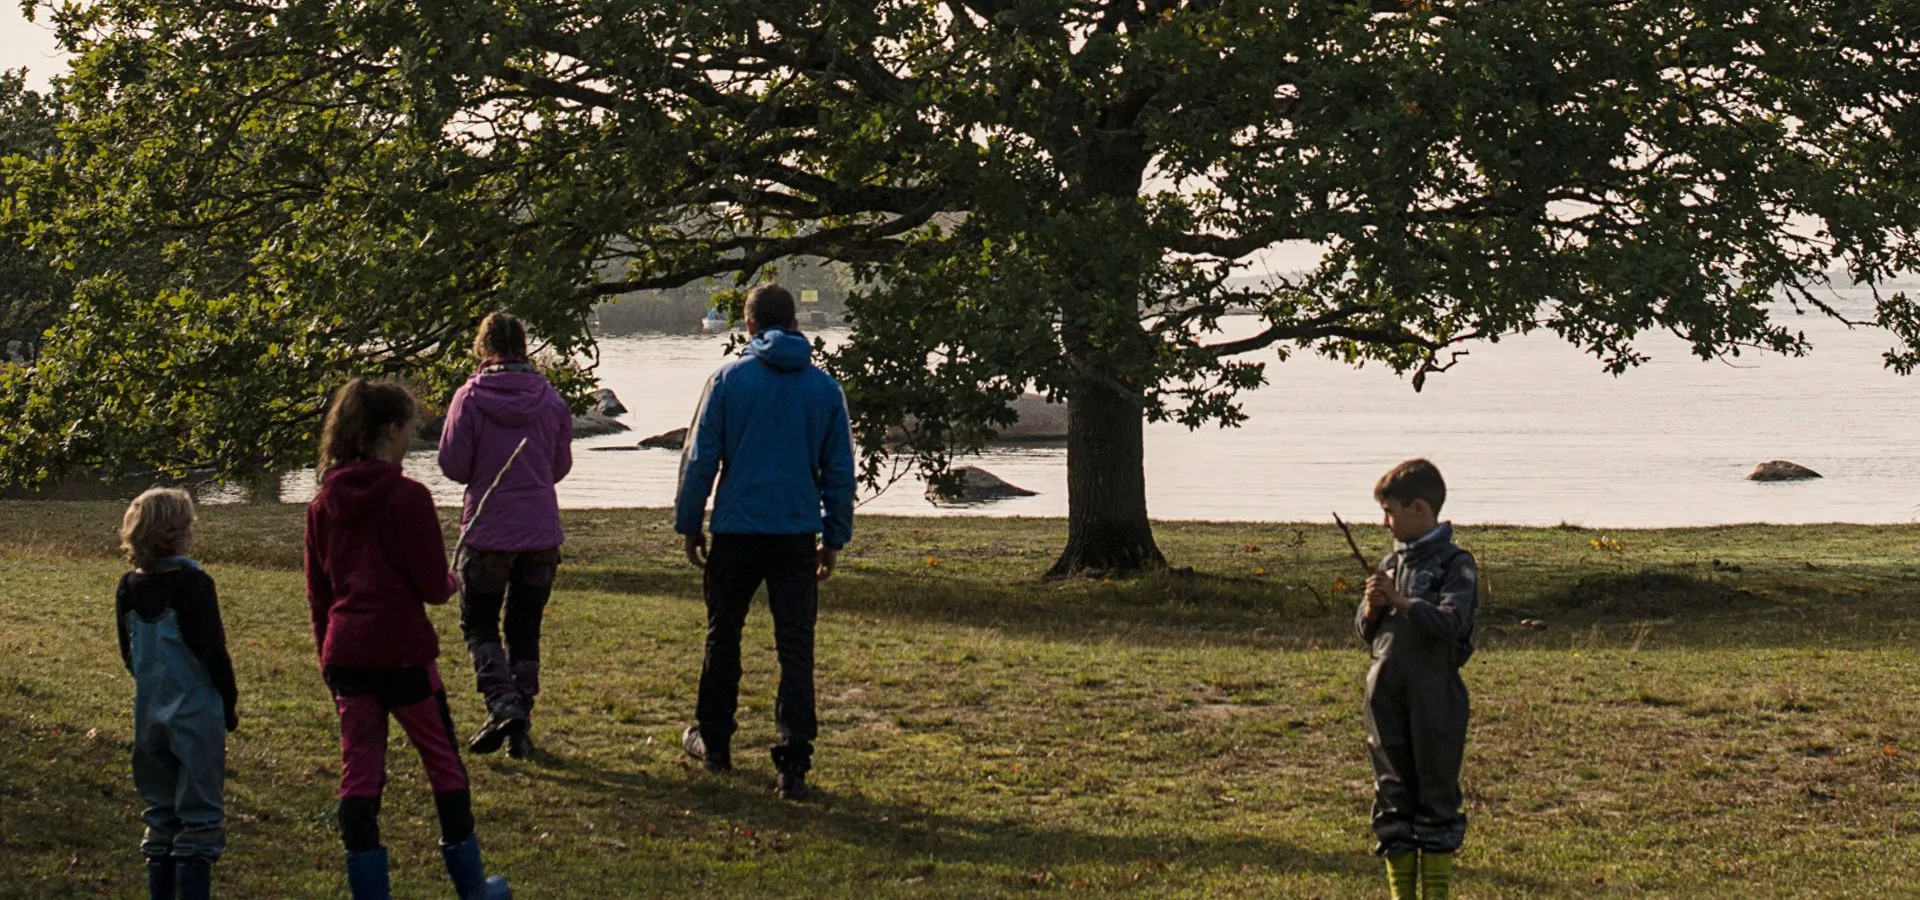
x=375 y=558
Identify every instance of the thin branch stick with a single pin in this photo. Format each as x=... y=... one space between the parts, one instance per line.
x=481 y=507
x=1352 y=545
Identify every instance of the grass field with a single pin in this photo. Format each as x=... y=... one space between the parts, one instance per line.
x=1679 y=728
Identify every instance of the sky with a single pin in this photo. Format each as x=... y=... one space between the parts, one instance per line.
x=28 y=45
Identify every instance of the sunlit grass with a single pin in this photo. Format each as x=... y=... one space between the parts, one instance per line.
x=1677 y=728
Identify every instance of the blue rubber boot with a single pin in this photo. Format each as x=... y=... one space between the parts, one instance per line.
x=367 y=875
x=160 y=878
x=194 y=878
x=469 y=875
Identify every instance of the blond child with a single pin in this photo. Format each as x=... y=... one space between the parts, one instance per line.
x=171 y=640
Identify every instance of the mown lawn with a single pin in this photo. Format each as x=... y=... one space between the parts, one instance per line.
x=1678 y=729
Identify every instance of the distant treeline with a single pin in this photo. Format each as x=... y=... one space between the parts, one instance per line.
x=681 y=309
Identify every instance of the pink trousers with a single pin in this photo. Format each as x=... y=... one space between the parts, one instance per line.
x=363 y=740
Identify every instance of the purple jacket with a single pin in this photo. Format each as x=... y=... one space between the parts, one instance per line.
x=489 y=414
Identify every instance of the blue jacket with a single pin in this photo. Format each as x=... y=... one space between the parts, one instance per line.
x=773 y=428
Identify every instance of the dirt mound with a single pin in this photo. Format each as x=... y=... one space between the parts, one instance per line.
x=1659 y=594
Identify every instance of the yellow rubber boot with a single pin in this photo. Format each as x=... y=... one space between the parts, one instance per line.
x=1403 y=875
x=1436 y=875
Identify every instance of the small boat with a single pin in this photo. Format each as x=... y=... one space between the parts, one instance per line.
x=714 y=323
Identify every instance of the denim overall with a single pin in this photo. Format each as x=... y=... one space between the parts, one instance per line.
x=179 y=740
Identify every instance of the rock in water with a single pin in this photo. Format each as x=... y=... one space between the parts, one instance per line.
x=595 y=424
x=1781 y=470
x=977 y=486
x=1036 y=419
x=606 y=404
x=672 y=440
x=1039 y=420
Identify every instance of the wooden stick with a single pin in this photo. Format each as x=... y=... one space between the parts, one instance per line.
x=481 y=507
x=1352 y=545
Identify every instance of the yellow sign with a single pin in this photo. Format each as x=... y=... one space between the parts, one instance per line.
x=809 y=296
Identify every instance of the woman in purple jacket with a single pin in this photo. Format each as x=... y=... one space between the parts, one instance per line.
x=511 y=552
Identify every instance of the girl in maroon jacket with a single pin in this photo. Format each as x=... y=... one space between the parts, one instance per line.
x=375 y=557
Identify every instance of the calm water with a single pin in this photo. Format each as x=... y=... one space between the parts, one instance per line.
x=1528 y=431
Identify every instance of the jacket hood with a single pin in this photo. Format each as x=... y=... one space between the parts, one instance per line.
x=1441 y=535
x=509 y=396
x=786 y=351
x=356 y=491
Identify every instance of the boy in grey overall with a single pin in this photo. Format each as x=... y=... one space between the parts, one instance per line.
x=1418 y=620
x=172 y=642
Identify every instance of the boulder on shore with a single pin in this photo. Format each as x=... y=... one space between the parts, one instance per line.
x=1781 y=470
x=593 y=423
x=596 y=424
x=1035 y=419
x=977 y=485
x=672 y=440
x=607 y=404
x=1039 y=419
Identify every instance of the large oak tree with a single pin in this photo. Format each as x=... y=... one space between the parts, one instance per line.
x=32 y=290
x=1038 y=194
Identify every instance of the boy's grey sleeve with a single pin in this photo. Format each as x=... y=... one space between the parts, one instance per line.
x=1363 y=625
x=1450 y=613
x=1368 y=627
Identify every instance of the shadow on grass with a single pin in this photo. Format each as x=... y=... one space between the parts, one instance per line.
x=680 y=584
x=1786 y=605
x=1683 y=606
x=61 y=791
x=1790 y=607
x=1652 y=594
x=1164 y=609
x=909 y=835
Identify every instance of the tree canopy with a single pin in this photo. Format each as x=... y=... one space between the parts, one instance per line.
x=259 y=198
x=32 y=290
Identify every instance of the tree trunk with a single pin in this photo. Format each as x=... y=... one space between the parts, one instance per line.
x=1107 y=527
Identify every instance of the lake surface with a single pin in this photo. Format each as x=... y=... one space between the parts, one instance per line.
x=1527 y=431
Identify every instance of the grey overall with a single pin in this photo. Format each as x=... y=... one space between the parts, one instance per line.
x=1416 y=702
x=179 y=742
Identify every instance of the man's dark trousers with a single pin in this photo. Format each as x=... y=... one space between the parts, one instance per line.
x=736 y=566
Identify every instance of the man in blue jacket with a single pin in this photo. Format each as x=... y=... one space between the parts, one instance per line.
x=773 y=428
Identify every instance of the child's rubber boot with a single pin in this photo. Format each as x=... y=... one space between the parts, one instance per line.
x=469 y=875
x=1436 y=875
x=194 y=878
x=1403 y=875
x=367 y=875
x=160 y=880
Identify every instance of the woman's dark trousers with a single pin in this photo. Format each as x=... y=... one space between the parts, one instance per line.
x=520 y=583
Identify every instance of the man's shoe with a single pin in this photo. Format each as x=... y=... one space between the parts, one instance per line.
x=498 y=728
x=790 y=786
x=696 y=747
x=520 y=745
